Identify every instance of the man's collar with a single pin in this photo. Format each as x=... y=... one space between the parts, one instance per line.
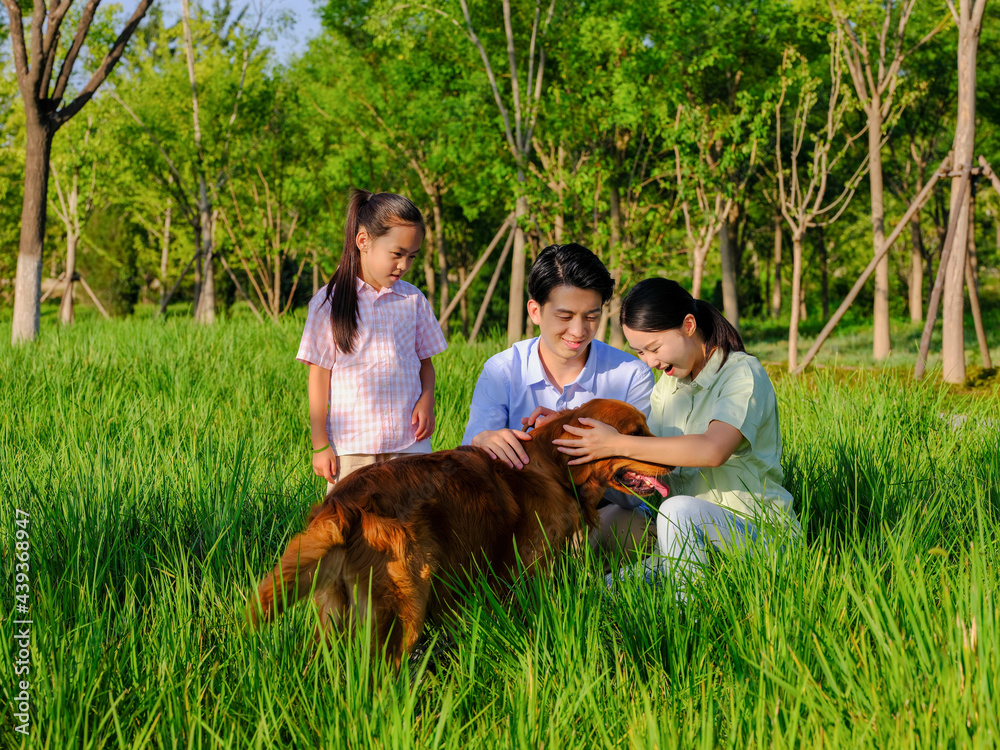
x=587 y=379
x=535 y=371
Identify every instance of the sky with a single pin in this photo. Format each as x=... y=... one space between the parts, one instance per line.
x=288 y=43
x=293 y=41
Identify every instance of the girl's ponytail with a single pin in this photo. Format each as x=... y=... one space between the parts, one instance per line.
x=377 y=213
x=344 y=304
x=661 y=305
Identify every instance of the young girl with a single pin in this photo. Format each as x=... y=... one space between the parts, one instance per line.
x=368 y=341
x=715 y=416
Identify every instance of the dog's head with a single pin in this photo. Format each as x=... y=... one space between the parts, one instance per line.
x=625 y=474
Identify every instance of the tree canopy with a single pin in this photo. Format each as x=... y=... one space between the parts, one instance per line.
x=646 y=131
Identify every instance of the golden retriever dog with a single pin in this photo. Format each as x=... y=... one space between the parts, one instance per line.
x=390 y=538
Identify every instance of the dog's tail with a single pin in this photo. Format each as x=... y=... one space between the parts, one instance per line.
x=292 y=577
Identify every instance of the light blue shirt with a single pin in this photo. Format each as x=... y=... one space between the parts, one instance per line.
x=513 y=384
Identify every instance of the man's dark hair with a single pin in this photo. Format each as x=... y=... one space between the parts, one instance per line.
x=568 y=265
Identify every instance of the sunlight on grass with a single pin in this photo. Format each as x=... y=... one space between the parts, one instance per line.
x=164 y=465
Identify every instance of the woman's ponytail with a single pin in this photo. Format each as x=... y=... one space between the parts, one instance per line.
x=378 y=214
x=661 y=305
x=719 y=333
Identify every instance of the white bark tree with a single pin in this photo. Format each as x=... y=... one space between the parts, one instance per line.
x=801 y=196
x=969 y=20
x=708 y=194
x=915 y=206
x=519 y=112
x=197 y=201
x=45 y=113
x=874 y=63
x=265 y=247
x=72 y=214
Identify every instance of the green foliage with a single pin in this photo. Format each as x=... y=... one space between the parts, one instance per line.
x=11 y=166
x=643 y=104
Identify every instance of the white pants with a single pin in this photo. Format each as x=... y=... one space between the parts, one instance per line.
x=686 y=526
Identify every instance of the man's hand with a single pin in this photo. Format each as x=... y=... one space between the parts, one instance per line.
x=538 y=417
x=505 y=445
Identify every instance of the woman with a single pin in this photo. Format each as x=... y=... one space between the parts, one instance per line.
x=715 y=416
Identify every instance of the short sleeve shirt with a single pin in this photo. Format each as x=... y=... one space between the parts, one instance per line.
x=374 y=388
x=739 y=394
x=513 y=383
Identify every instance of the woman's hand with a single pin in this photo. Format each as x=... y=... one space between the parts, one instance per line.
x=325 y=464
x=597 y=440
x=423 y=415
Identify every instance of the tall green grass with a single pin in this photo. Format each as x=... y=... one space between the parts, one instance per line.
x=165 y=464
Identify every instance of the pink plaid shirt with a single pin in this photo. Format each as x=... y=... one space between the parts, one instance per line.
x=374 y=389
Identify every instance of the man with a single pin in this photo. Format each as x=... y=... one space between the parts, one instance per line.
x=561 y=369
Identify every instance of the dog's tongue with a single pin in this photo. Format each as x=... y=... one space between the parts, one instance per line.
x=658 y=486
x=655 y=483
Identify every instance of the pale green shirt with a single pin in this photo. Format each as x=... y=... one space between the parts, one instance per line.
x=741 y=395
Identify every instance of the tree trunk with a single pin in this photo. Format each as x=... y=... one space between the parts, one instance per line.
x=952 y=327
x=197 y=270
x=481 y=315
x=698 y=271
x=28 y=284
x=442 y=257
x=803 y=311
x=430 y=281
x=881 y=341
x=617 y=337
x=776 y=289
x=824 y=273
x=315 y=270
x=532 y=245
x=66 y=306
x=205 y=310
x=793 y=324
x=727 y=249
x=275 y=269
x=972 y=284
x=72 y=221
x=560 y=191
x=973 y=264
x=165 y=252
x=916 y=270
x=515 y=312
x=463 y=306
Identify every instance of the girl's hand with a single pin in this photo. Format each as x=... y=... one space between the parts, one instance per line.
x=325 y=464
x=423 y=416
x=597 y=440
